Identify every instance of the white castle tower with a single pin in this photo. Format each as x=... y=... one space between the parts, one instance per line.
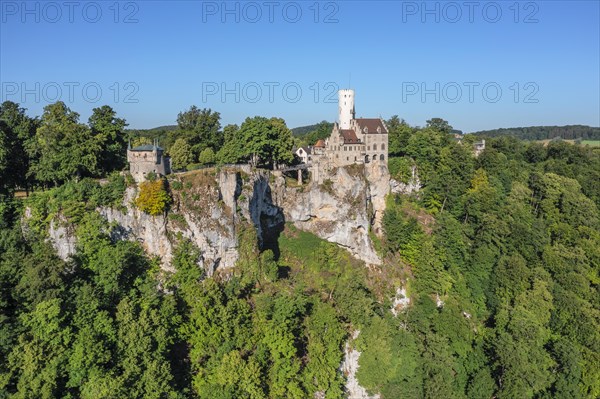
x=346 y=108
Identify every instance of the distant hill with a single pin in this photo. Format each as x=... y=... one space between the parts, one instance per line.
x=302 y=130
x=297 y=131
x=154 y=129
x=570 y=132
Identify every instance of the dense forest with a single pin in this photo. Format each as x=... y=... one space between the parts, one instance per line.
x=572 y=132
x=499 y=256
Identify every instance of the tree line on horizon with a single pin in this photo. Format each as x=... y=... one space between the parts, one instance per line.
x=570 y=132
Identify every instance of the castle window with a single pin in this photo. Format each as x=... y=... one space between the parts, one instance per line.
x=374 y=157
x=381 y=157
x=383 y=146
x=368 y=148
x=374 y=147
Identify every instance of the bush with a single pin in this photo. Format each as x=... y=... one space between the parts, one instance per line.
x=176 y=185
x=112 y=192
x=327 y=186
x=153 y=198
x=151 y=176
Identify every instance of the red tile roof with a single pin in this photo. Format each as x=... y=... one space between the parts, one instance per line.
x=320 y=144
x=371 y=124
x=349 y=136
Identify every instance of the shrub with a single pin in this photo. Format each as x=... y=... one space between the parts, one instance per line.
x=153 y=198
x=176 y=185
x=151 y=176
x=112 y=192
x=179 y=220
x=327 y=186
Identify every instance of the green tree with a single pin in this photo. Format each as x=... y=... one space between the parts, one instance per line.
x=207 y=156
x=324 y=348
x=523 y=362
x=440 y=125
x=260 y=141
x=201 y=128
x=143 y=340
x=108 y=132
x=66 y=147
x=17 y=132
x=399 y=133
x=321 y=132
x=181 y=154
x=42 y=352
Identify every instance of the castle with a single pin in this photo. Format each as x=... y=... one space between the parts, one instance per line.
x=352 y=141
x=146 y=159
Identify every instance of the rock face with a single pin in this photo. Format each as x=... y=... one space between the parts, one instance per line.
x=413 y=185
x=339 y=210
x=400 y=301
x=204 y=216
x=209 y=207
x=349 y=368
x=259 y=207
x=62 y=238
x=378 y=177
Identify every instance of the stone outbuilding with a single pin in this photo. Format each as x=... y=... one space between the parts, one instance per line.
x=146 y=159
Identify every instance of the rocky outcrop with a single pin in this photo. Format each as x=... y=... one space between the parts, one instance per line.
x=378 y=176
x=62 y=238
x=400 y=301
x=338 y=210
x=349 y=368
x=412 y=186
x=204 y=215
x=209 y=206
x=259 y=208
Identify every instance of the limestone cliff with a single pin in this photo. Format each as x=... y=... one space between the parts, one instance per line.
x=413 y=185
x=203 y=211
x=209 y=207
x=341 y=209
x=349 y=368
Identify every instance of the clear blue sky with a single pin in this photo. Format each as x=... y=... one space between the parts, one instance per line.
x=544 y=56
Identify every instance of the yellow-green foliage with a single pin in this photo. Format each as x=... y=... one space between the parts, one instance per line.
x=153 y=198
